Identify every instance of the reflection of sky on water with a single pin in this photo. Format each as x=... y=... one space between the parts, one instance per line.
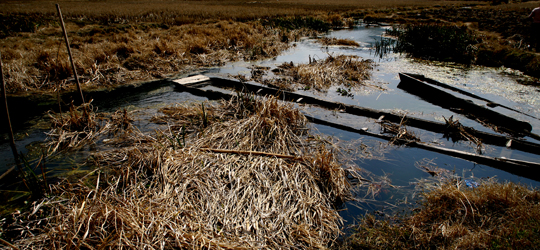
x=494 y=84
x=490 y=83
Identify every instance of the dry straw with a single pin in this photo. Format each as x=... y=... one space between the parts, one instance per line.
x=255 y=179
x=457 y=213
x=399 y=131
x=113 y=55
x=82 y=125
x=338 y=41
x=320 y=75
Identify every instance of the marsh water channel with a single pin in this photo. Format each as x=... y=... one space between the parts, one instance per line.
x=395 y=168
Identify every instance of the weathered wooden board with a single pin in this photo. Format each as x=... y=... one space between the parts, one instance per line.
x=443 y=99
x=437 y=127
x=188 y=81
x=521 y=168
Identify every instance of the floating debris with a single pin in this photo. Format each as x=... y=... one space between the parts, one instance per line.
x=456 y=132
x=399 y=131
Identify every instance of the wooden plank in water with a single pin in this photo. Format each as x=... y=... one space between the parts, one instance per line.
x=490 y=104
x=443 y=99
x=433 y=126
x=192 y=80
x=517 y=167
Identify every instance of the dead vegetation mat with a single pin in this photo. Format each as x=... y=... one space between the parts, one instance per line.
x=242 y=174
x=459 y=214
x=114 y=55
x=349 y=72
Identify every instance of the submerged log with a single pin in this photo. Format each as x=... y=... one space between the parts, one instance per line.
x=433 y=126
x=513 y=166
x=518 y=167
x=489 y=103
x=438 y=97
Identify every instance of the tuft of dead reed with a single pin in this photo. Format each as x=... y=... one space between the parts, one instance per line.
x=457 y=214
x=82 y=125
x=255 y=179
x=329 y=41
x=320 y=75
x=196 y=200
x=191 y=117
x=267 y=126
x=399 y=131
x=117 y=54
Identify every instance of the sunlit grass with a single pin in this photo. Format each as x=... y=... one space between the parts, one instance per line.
x=115 y=43
x=345 y=71
x=119 y=54
x=338 y=41
x=452 y=215
x=250 y=171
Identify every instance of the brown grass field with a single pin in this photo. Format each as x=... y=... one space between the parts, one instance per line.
x=198 y=10
x=117 y=42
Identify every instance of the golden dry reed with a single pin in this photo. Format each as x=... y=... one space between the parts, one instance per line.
x=82 y=125
x=118 y=42
x=457 y=213
x=109 y=57
x=247 y=176
x=335 y=70
x=338 y=41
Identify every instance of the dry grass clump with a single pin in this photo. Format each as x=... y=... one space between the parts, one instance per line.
x=242 y=123
x=492 y=215
x=82 y=125
x=74 y=128
x=118 y=54
x=169 y=199
x=328 y=41
x=341 y=70
x=190 y=117
x=254 y=180
x=399 y=131
x=266 y=126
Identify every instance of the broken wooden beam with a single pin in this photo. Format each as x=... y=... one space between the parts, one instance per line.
x=458 y=105
x=489 y=103
x=433 y=126
x=517 y=167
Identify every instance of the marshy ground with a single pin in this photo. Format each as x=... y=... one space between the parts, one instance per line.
x=248 y=172
x=115 y=44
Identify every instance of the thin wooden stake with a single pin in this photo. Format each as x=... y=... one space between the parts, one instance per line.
x=8 y=120
x=69 y=52
x=243 y=152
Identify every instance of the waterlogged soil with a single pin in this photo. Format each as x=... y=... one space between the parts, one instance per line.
x=396 y=165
